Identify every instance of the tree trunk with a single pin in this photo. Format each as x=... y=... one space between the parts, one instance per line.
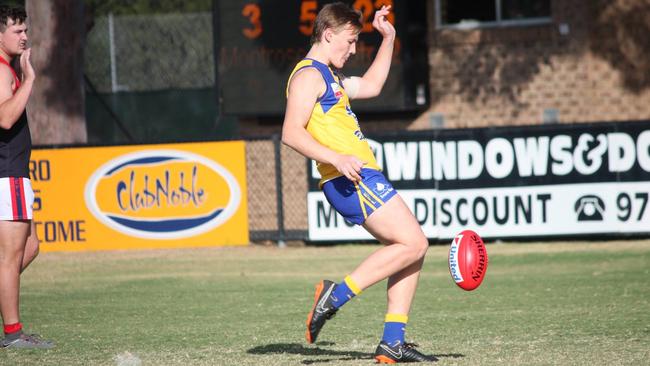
x=56 y=109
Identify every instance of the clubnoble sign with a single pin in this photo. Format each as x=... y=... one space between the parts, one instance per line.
x=147 y=196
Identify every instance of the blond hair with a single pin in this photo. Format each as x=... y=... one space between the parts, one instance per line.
x=335 y=16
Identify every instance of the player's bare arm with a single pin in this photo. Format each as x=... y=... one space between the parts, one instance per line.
x=371 y=83
x=12 y=105
x=304 y=89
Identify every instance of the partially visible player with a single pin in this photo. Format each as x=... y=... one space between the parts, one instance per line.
x=18 y=243
x=320 y=124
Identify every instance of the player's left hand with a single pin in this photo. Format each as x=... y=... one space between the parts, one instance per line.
x=381 y=23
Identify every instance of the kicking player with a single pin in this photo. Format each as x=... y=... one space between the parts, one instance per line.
x=18 y=243
x=320 y=125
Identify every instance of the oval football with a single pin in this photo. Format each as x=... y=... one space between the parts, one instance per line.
x=468 y=260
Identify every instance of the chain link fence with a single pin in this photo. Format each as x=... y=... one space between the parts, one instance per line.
x=277 y=192
x=151 y=52
x=151 y=78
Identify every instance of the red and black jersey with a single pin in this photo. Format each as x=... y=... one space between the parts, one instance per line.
x=16 y=142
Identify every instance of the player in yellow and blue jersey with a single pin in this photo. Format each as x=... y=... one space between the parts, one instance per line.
x=319 y=123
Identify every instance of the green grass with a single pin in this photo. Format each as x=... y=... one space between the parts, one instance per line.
x=541 y=304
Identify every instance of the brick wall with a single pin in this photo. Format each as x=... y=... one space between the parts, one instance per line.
x=598 y=71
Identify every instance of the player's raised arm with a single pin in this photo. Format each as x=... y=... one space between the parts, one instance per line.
x=371 y=83
x=304 y=89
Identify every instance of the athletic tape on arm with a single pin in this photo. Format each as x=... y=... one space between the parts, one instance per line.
x=351 y=86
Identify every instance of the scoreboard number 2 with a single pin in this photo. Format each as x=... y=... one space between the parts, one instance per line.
x=368 y=7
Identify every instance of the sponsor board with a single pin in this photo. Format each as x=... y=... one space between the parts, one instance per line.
x=514 y=182
x=151 y=196
x=507 y=212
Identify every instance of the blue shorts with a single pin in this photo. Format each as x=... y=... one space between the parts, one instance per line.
x=357 y=201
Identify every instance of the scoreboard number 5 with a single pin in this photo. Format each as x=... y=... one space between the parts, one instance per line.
x=308 y=12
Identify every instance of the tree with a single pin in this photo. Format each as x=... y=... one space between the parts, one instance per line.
x=56 y=108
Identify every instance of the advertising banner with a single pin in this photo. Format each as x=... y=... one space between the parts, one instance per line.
x=526 y=181
x=140 y=196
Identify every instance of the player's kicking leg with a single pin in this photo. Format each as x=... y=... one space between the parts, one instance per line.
x=400 y=261
x=394 y=227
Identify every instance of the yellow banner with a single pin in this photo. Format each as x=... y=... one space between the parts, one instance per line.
x=146 y=196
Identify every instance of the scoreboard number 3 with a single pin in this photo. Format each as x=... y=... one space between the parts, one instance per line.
x=253 y=13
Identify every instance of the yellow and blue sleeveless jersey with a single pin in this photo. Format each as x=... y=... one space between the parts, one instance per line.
x=333 y=124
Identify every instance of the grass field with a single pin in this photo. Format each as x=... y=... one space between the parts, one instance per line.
x=541 y=304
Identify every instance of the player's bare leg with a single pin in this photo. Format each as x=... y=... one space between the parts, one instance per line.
x=394 y=225
x=31 y=248
x=402 y=258
x=13 y=235
x=401 y=286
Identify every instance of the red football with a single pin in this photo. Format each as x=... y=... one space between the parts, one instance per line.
x=468 y=260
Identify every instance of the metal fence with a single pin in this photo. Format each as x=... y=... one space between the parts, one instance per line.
x=277 y=191
x=151 y=78
x=150 y=52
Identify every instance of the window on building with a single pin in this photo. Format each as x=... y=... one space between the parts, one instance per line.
x=467 y=14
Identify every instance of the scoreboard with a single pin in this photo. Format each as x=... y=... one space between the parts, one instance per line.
x=258 y=42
